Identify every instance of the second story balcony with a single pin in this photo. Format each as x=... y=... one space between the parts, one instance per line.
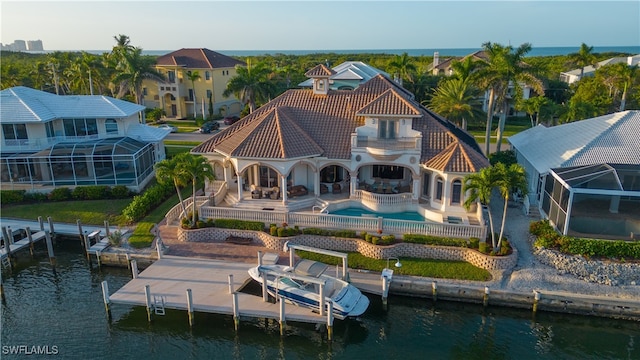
x=381 y=146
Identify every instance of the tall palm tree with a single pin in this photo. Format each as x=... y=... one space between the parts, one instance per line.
x=402 y=66
x=505 y=68
x=134 y=69
x=625 y=77
x=532 y=107
x=168 y=171
x=457 y=100
x=251 y=84
x=584 y=57
x=197 y=168
x=193 y=76
x=512 y=178
x=480 y=185
x=465 y=69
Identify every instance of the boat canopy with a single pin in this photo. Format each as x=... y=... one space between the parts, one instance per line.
x=310 y=268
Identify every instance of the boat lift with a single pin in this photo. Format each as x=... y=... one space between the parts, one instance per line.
x=291 y=248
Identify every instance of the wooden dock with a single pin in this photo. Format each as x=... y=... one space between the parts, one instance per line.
x=170 y=277
x=21 y=244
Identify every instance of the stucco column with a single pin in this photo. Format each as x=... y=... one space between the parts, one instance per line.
x=615 y=204
x=256 y=175
x=316 y=183
x=415 y=189
x=240 y=178
x=353 y=184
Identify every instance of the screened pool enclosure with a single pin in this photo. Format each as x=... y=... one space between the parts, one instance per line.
x=112 y=161
x=600 y=200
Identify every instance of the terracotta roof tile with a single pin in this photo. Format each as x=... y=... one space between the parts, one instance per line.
x=320 y=71
x=389 y=103
x=198 y=59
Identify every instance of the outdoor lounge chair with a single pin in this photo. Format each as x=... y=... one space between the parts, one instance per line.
x=275 y=193
x=297 y=190
x=256 y=192
x=323 y=189
x=336 y=189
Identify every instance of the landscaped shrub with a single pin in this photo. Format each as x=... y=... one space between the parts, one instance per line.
x=374 y=240
x=387 y=239
x=482 y=247
x=434 y=240
x=60 y=194
x=98 y=192
x=325 y=232
x=142 y=204
x=8 y=197
x=79 y=193
x=540 y=227
x=239 y=224
x=120 y=192
x=474 y=243
x=35 y=197
x=273 y=230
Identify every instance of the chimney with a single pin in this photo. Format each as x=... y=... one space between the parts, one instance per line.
x=436 y=59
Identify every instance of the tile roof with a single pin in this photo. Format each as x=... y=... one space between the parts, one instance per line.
x=23 y=105
x=320 y=71
x=350 y=70
x=198 y=58
x=611 y=138
x=328 y=122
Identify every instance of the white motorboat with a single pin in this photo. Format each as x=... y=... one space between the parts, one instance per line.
x=300 y=285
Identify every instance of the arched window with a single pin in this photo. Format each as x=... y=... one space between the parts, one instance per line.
x=456 y=192
x=111 y=126
x=439 y=188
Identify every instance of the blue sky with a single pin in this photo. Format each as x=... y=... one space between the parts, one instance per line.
x=320 y=25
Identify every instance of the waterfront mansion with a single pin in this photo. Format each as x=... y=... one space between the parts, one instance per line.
x=372 y=148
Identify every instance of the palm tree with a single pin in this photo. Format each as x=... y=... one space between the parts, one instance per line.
x=584 y=57
x=465 y=69
x=197 y=168
x=168 y=171
x=532 y=107
x=402 y=66
x=625 y=76
x=193 y=76
x=251 y=84
x=134 y=69
x=456 y=100
x=512 y=178
x=505 y=68
x=480 y=185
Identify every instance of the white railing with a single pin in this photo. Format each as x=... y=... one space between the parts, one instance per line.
x=356 y=223
x=176 y=212
x=403 y=143
x=373 y=200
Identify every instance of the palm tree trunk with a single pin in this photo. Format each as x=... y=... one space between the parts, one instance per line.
x=623 y=101
x=504 y=219
x=487 y=138
x=193 y=208
x=501 y=122
x=493 y=234
x=184 y=209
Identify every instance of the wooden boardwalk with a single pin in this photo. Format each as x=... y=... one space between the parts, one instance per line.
x=171 y=276
x=21 y=244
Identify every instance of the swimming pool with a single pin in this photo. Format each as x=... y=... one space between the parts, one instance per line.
x=407 y=215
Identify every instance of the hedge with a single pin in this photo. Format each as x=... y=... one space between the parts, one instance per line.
x=142 y=204
x=92 y=192
x=239 y=224
x=549 y=238
x=434 y=240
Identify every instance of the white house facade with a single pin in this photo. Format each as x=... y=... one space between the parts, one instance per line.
x=50 y=141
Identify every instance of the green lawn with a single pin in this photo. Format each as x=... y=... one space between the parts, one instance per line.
x=442 y=269
x=91 y=212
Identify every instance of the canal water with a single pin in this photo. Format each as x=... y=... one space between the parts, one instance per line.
x=62 y=315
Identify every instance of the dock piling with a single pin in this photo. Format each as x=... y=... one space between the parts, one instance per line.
x=87 y=245
x=485 y=298
x=106 y=228
x=434 y=289
x=1 y=287
x=385 y=291
x=236 y=312
x=147 y=294
x=230 y=283
x=50 y=221
x=265 y=294
x=81 y=233
x=330 y=320
x=190 y=306
x=105 y=298
x=30 y=237
x=41 y=223
x=52 y=257
x=259 y=258
x=98 y=258
x=5 y=236
x=322 y=299
x=159 y=247
x=134 y=268
x=128 y=257
x=283 y=318
x=536 y=299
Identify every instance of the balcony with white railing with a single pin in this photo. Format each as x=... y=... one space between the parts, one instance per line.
x=380 y=146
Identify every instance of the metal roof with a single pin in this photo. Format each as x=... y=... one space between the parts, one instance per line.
x=24 y=105
x=612 y=138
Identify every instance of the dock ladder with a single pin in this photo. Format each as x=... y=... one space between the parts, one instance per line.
x=158 y=304
x=6 y=262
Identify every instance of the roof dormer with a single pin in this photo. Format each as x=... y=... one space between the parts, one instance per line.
x=320 y=76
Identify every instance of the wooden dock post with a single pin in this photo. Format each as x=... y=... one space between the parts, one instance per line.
x=434 y=289
x=50 y=221
x=330 y=320
x=292 y=255
x=147 y=294
x=283 y=319
x=105 y=298
x=385 y=291
x=236 y=312
x=82 y=240
x=52 y=257
x=1 y=287
x=159 y=248
x=230 y=283
x=30 y=237
x=265 y=294
x=536 y=300
x=5 y=236
x=190 y=306
x=321 y=304
x=41 y=223
x=128 y=257
x=134 y=268
x=106 y=228
x=259 y=258
x=87 y=245
x=98 y=258
x=485 y=298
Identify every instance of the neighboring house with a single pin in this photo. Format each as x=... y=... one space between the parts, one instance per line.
x=348 y=75
x=177 y=96
x=50 y=141
x=438 y=67
x=596 y=161
x=574 y=75
x=371 y=148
